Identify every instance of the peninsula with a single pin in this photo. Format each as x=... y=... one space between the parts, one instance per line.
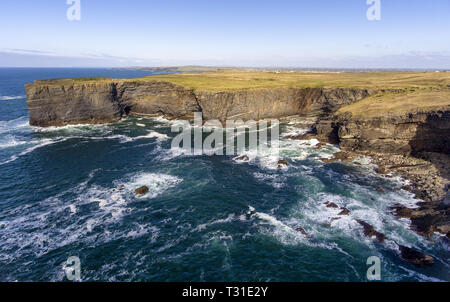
x=394 y=112
x=400 y=119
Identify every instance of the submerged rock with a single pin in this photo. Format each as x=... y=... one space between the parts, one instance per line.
x=415 y=257
x=370 y=232
x=142 y=190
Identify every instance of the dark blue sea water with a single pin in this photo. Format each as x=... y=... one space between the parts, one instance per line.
x=206 y=218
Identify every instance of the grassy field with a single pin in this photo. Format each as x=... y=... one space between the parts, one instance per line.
x=232 y=79
x=237 y=79
x=415 y=90
x=399 y=103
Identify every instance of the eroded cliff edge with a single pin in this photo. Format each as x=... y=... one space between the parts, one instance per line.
x=56 y=104
x=343 y=115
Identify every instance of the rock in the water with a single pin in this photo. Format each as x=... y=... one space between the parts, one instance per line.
x=370 y=232
x=242 y=158
x=344 y=156
x=142 y=190
x=301 y=230
x=382 y=170
x=407 y=188
x=429 y=218
x=320 y=146
x=415 y=257
x=331 y=205
x=328 y=160
x=301 y=137
x=380 y=190
x=340 y=156
x=344 y=212
x=282 y=164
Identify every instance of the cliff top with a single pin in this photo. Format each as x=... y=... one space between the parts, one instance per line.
x=397 y=92
x=229 y=79
x=399 y=103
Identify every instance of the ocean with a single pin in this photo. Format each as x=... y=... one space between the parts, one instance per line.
x=69 y=191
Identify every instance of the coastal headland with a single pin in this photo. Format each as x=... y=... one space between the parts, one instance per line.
x=400 y=119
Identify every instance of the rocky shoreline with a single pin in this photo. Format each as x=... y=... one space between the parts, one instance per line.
x=428 y=179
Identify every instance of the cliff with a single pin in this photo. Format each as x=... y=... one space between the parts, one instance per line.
x=56 y=104
x=387 y=112
x=402 y=122
x=409 y=133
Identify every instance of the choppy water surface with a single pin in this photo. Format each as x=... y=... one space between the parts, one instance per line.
x=206 y=218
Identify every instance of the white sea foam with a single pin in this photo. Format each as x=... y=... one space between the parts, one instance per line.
x=282 y=232
x=99 y=129
x=156 y=182
x=169 y=154
x=420 y=277
x=201 y=227
x=10 y=141
x=286 y=234
x=14 y=125
x=275 y=180
x=9 y=98
x=73 y=208
x=126 y=139
x=17 y=238
x=154 y=134
x=37 y=144
x=163 y=122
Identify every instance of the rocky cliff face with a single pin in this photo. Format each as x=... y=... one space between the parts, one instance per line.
x=400 y=134
x=56 y=105
x=322 y=102
x=149 y=98
x=52 y=104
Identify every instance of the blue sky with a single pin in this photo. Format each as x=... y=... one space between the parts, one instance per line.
x=260 y=33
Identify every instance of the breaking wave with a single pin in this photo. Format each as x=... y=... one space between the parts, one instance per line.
x=9 y=98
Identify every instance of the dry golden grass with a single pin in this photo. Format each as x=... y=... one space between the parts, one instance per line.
x=234 y=79
x=398 y=91
x=241 y=79
x=390 y=103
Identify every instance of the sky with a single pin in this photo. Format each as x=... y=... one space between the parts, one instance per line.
x=248 y=33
